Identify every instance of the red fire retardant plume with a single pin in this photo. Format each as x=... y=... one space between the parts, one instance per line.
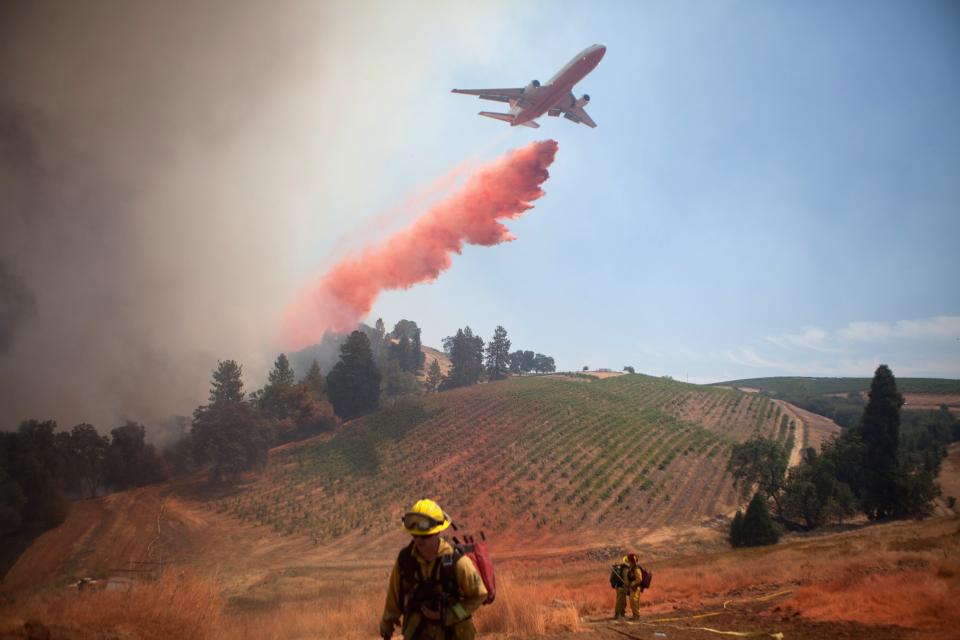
x=341 y=298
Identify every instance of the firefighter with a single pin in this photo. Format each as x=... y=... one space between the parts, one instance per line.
x=434 y=588
x=626 y=578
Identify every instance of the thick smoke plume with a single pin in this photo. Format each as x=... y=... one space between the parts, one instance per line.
x=501 y=190
x=164 y=166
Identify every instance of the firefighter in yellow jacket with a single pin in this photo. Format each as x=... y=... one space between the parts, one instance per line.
x=626 y=578
x=433 y=588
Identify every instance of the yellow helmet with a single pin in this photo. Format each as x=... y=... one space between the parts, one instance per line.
x=425 y=518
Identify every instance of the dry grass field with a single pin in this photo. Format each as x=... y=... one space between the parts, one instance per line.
x=893 y=580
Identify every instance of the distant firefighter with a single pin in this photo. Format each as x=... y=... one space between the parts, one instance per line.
x=629 y=579
x=434 y=588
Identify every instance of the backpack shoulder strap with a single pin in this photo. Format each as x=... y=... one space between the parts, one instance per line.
x=448 y=570
x=408 y=568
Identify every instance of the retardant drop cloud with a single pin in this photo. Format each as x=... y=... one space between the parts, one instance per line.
x=501 y=190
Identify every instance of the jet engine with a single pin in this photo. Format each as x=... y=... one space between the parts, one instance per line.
x=533 y=85
x=584 y=99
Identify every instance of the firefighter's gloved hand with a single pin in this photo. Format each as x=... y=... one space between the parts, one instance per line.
x=428 y=613
x=386 y=630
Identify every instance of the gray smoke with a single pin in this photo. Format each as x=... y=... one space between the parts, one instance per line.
x=136 y=204
x=163 y=169
x=17 y=305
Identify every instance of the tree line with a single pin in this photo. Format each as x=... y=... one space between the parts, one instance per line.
x=884 y=466
x=42 y=469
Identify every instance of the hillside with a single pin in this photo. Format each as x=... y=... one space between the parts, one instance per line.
x=842 y=400
x=572 y=463
x=530 y=456
x=828 y=386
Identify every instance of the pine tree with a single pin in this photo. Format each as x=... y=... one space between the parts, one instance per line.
x=466 y=359
x=281 y=375
x=314 y=382
x=229 y=435
x=498 y=355
x=378 y=341
x=758 y=529
x=354 y=382
x=417 y=356
x=227 y=383
x=434 y=377
x=276 y=398
x=879 y=429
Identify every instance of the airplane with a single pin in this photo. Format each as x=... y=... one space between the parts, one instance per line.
x=553 y=98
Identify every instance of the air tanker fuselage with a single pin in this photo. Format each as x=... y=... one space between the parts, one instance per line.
x=561 y=85
x=553 y=98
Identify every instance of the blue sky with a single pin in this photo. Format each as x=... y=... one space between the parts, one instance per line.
x=764 y=177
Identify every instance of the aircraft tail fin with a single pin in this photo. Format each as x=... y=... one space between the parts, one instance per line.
x=506 y=117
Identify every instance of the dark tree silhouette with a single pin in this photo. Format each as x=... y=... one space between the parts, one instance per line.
x=230 y=438
x=227 y=383
x=543 y=364
x=736 y=530
x=879 y=429
x=314 y=381
x=759 y=462
x=407 y=350
x=354 y=382
x=466 y=359
x=434 y=377
x=757 y=528
x=276 y=400
x=498 y=354
x=87 y=459
x=11 y=503
x=130 y=461
x=34 y=463
x=229 y=435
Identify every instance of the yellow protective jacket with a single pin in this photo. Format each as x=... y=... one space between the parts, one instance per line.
x=630 y=575
x=456 y=622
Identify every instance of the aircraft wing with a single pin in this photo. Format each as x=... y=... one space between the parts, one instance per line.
x=578 y=115
x=498 y=95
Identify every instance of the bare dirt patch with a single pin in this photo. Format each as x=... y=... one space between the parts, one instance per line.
x=931 y=401
x=744 y=389
x=818 y=428
x=604 y=374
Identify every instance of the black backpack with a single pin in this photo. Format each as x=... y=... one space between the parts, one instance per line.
x=616 y=576
x=618 y=573
x=645 y=578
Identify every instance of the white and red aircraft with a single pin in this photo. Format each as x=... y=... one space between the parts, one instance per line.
x=553 y=98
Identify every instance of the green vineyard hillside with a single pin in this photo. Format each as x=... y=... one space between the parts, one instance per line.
x=542 y=456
